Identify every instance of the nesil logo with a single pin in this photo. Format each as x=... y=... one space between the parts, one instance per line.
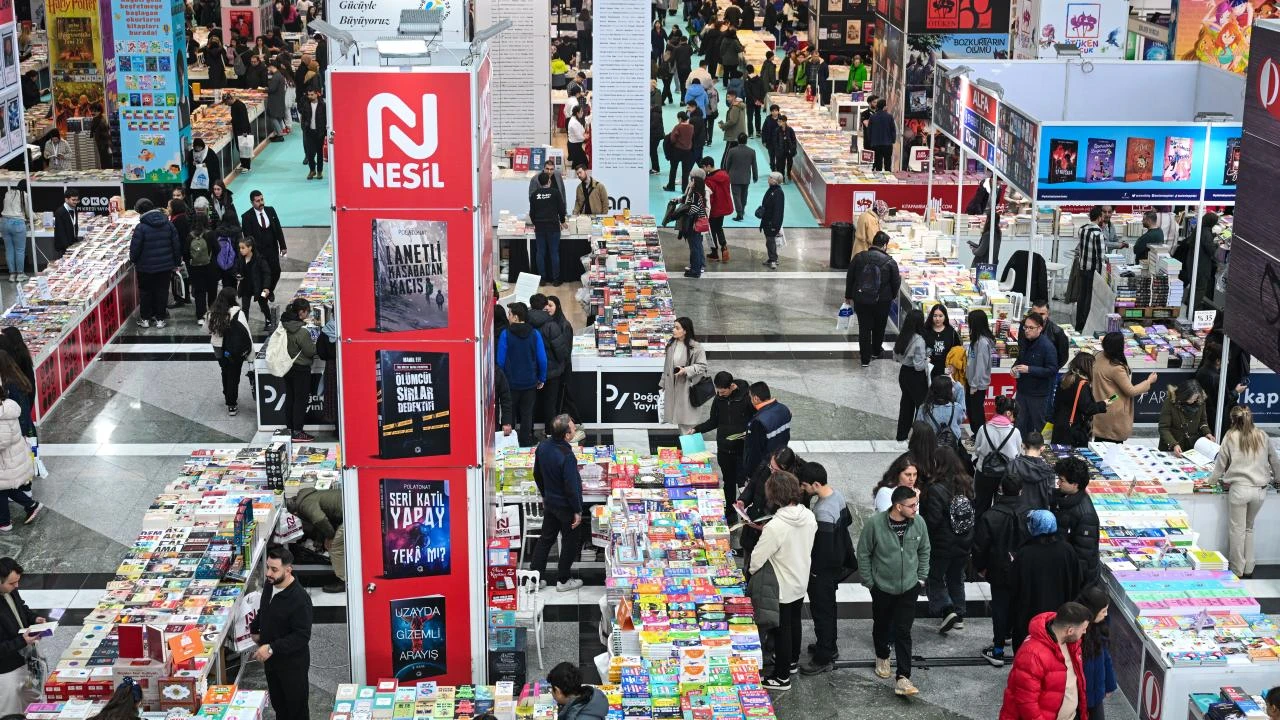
x=1269 y=86
x=402 y=175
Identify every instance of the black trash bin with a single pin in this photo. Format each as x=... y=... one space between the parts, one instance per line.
x=841 y=245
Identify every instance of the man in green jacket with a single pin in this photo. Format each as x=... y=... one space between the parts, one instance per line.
x=893 y=554
x=321 y=515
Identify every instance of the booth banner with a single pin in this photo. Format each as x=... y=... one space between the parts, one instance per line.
x=1018 y=138
x=1022 y=30
x=924 y=53
x=8 y=47
x=150 y=55
x=1122 y=163
x=893 y=12
x=946 y=103
x=1224 y=163
x=371 y=20
x=1253 y=292
x=13 y=130
x=1099 y=28
x=960 y=16
x=1215 y=32
x=75 y=59
x=521 y=74
x=619 y=141
x=979 y=110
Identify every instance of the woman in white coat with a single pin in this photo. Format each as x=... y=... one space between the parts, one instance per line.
x=16 y=465
x=685 y=366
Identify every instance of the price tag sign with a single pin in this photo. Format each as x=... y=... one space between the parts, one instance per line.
x=42 y=287
x=1203 y=319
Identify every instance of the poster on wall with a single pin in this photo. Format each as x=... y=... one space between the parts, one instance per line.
x=413 y=409
x=1217 y=32
x=979 y=115
x=410 y=266
x=1223 y=159
x=415 y=528
x=1085 y=163
x=1099 y=28
x=1017 y=137
x=153 y=100
x=418 y=638
x=75 y=57
x=960 y=16
x=925 y=50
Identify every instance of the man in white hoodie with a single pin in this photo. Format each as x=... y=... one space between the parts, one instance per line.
x=786 y=543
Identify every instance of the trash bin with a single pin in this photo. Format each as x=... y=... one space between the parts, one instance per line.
x=841 y=245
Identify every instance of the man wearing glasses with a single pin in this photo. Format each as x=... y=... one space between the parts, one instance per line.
x=893 y=553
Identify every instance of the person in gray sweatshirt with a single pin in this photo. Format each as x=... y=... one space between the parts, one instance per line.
x=740 y=162
x=977 y=371
x=913 y=377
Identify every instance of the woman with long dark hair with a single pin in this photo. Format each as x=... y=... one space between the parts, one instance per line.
x=1095 y=651
x=12 y=342
x=904 y=471
x=298 y=380
x=685 y=366
x=939 y=338
x=923 y=446
x=695 y=197
x=753 y=500
x=941 y=410
x=912 y=354
x=1074 y=409
x=1112 y=377
x=124 y=703
x=949 y=515
x=226 y=319
x=20 y=390
x=977 y=372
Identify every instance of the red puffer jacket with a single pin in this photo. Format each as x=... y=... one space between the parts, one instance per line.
x=1038 y=679
x=721 y=199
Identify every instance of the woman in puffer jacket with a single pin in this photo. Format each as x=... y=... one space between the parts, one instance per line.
x=16 y=465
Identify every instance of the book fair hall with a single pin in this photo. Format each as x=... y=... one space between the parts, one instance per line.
x=639 y=360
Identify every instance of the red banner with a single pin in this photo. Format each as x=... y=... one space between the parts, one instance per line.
x=48 y=385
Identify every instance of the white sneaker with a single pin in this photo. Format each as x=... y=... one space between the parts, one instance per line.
x=904 y=686
x=6 y=528
x=882 y=668
x=13 y=277
x=573 y=584
x=144 y=323
x=161 y=323
x=22 y=277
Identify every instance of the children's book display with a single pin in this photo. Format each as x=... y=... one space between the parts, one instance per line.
x=626 y=290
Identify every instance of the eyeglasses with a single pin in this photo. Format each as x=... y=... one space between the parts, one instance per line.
x=911 y=505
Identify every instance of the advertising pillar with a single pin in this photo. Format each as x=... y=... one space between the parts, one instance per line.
x=12 y=128
x=149 y=46
x=75 y=59
x=414 y=309
x=620 y=104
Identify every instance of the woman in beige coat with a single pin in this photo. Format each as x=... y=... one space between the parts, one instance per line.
x=1246 y=465
x=1111 y=376
x=16 y=465
x=686 y=364
x=868 y=225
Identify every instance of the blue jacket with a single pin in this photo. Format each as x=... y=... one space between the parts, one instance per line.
x=698 y=94
x=1099 y=675
x=555 y=471
x=1042 y=360
x=155 y=247
x=942 y=416
x=768 y=432
x=881 y=130
x=522 y=356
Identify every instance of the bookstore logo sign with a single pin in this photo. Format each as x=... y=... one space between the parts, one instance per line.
x=413 y=175
x=1269 y=87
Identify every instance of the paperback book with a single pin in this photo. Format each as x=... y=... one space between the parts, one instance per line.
x=413 y=404
x=1139 y=158
x=1101 y=163
x=410 y=267
x=1062 y=160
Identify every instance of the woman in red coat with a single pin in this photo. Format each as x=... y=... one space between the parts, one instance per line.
x=721 y=207
x=1041 y=675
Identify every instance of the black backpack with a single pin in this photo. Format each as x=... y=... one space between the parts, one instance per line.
x=996 y=464
x=946 y=438
x=236 y=342
x=868 y=288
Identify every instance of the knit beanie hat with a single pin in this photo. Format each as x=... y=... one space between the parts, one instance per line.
x=698 y=173
x=1041 y=522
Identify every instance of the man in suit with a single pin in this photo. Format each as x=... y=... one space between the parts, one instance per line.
x=315 y=126
x=261 y=223
x=66 y=226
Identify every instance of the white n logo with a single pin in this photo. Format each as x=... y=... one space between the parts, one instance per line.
x=404 y=113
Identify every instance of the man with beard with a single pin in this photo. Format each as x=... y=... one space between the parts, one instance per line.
x=282 y=629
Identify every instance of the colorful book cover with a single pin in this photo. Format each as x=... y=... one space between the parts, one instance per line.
x=537 y=158
x=1231 y=167
x=410 y=267
x=418 y=638
x=520 y=159
x=1139 y=158
x=415 y=528
x=1062 y=160
x=1177 y=159
x=1100 y=163
x=413 y=404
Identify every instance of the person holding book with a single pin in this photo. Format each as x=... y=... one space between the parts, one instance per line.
x=1183 y=420
x=15 y=617
x=1246 y=464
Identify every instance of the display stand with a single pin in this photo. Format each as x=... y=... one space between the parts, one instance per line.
x=219 y=139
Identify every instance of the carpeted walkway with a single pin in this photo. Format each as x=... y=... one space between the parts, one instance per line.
x=279 y=173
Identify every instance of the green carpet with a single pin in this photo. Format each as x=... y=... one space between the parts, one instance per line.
x=279 y=173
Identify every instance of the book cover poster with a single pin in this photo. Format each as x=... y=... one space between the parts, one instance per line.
x=1139 y=158
x=415 y=528
x=1231 y=168
x=418 y=638
x=1177 y=159
x=1101 y=163
x=409 y=269
x=1062 y=158
x=413 y=404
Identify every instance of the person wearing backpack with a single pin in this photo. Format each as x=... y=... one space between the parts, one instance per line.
x=949 y=516
x=1077 y=519
x=297 y=380
x=834 y=559
x=254 y=278
x=522 y=355
x=871 y=284
x=1075 y=407
x=996 y=540
x=198 y=255
x=232 y=344
x=943 y=412
x=995 y=445
x=1035 y=474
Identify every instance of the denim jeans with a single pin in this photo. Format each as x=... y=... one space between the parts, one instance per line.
x=546 y=241
x=14 y=231
x=696 y=260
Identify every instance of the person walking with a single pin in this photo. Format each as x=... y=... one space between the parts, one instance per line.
x=947 y=508
x=757 y=92
x=241 y=129
x=894 y=557
x=253 y=282
x=1246 y=464
x=731 y=410
x=203 y=167
x=784 y=137
x=1095 y=652
x=1034 y=374
x=261 y=223
x=735 y=117
x=522 y=355
x=277 y=107
x=769 y=429
x=16 y=465
x=882 y=133
x=696 y=221
x=681 y=140
x=996 y=540
x=1073 y=510
x=222 y=208
x=871 y=284
x=771 y=211
x=657 y=133
x=1089 y=265
x=977 y=370
x=282 y=630
x=1045 y=574
x=546 y=214
x=15 y=218
x=298 y=380
x=314 y=114
x=912 y=354
x=1075 y=408
x=199 y=246
x=559 y=348
x=768 y=134
x=155 y=251
x=232 y=344
x=1047 y=679
x=833 y=560
x=720 y=204
x=555 y=470
x=1113 y=379
x=1183 y=420
x=685 y=366
x=786 y=543
x=740 y=163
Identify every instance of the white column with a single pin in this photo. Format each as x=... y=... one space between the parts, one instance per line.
x=521 y=83
x=620 y=102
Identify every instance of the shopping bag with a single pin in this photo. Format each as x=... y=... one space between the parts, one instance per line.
x=37 y=670
x=501 y=441
x=245 y=145
x=241 y=638
x=288 y=528
x=781 y=240
x=200 y=178
x=38 y=467
x=843 y=316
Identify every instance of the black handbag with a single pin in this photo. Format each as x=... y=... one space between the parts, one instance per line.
x=701 y=391
x=676 y=208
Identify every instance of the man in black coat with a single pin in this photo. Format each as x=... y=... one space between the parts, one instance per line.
x=13 y=665
x=239 y=125
x=282 y=629
x=771 y=211
x=261 y=223
x=201 y=158
x=315 y=127
x=996 y=540
x=731 y=410
x=871 y=285
x=66 y=226
x=882 y=133
x=1045 y=574
x=1077 y=520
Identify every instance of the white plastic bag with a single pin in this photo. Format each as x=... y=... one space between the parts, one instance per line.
x=241 y=638
x=843 y=316
x=38 y=468
x=781 y=240
x=288 y=528
x=245 y=144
